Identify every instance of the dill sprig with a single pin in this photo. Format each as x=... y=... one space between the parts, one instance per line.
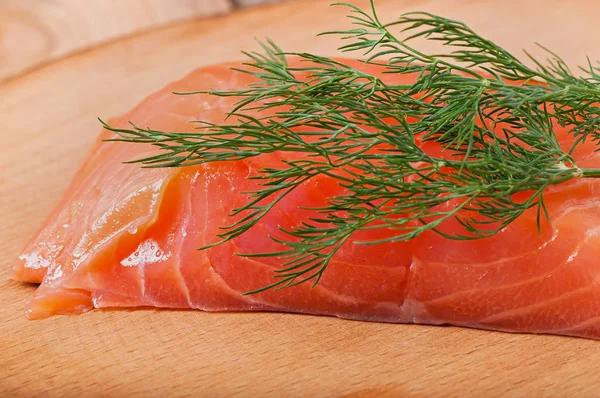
x=492 y=114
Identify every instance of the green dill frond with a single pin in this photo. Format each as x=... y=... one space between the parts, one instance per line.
x=490 y=111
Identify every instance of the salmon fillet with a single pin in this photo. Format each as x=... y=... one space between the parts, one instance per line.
x=123 y=236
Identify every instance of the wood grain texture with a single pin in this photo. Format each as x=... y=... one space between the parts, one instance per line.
x=251 y=3
x=36 y=31
x=48 y=121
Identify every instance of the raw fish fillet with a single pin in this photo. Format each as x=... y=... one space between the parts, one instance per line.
x=123 y=236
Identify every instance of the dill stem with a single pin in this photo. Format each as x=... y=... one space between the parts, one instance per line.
x=339 y=118
x=590 y=173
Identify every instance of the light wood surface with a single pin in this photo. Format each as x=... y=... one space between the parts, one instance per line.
x=34 y=32
x=251 y=3
x=47 y=122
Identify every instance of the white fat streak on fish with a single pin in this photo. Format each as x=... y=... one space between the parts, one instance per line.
x=590 y=233
x=183 y=234
x=337 y=297
x=570 y=258
x=96 y=300
x=503 y=260
x=56 y=273
x=574 y=254
x=534 y=307
x=555 y=232
x=179 y=116
x=35 y=260
x=254 y=301
x=216 y=277
x=415 y=311
x=260 y=302
x=142 y=274
x=411 y=310
x=85 y=248
x=148 y=252
x=588 y=322
x=74 y=215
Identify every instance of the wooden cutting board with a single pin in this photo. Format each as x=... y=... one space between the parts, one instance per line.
x=36 y=32
x=48 y=120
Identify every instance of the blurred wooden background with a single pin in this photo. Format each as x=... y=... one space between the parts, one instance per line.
x=33 y=32
x=48 y=118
